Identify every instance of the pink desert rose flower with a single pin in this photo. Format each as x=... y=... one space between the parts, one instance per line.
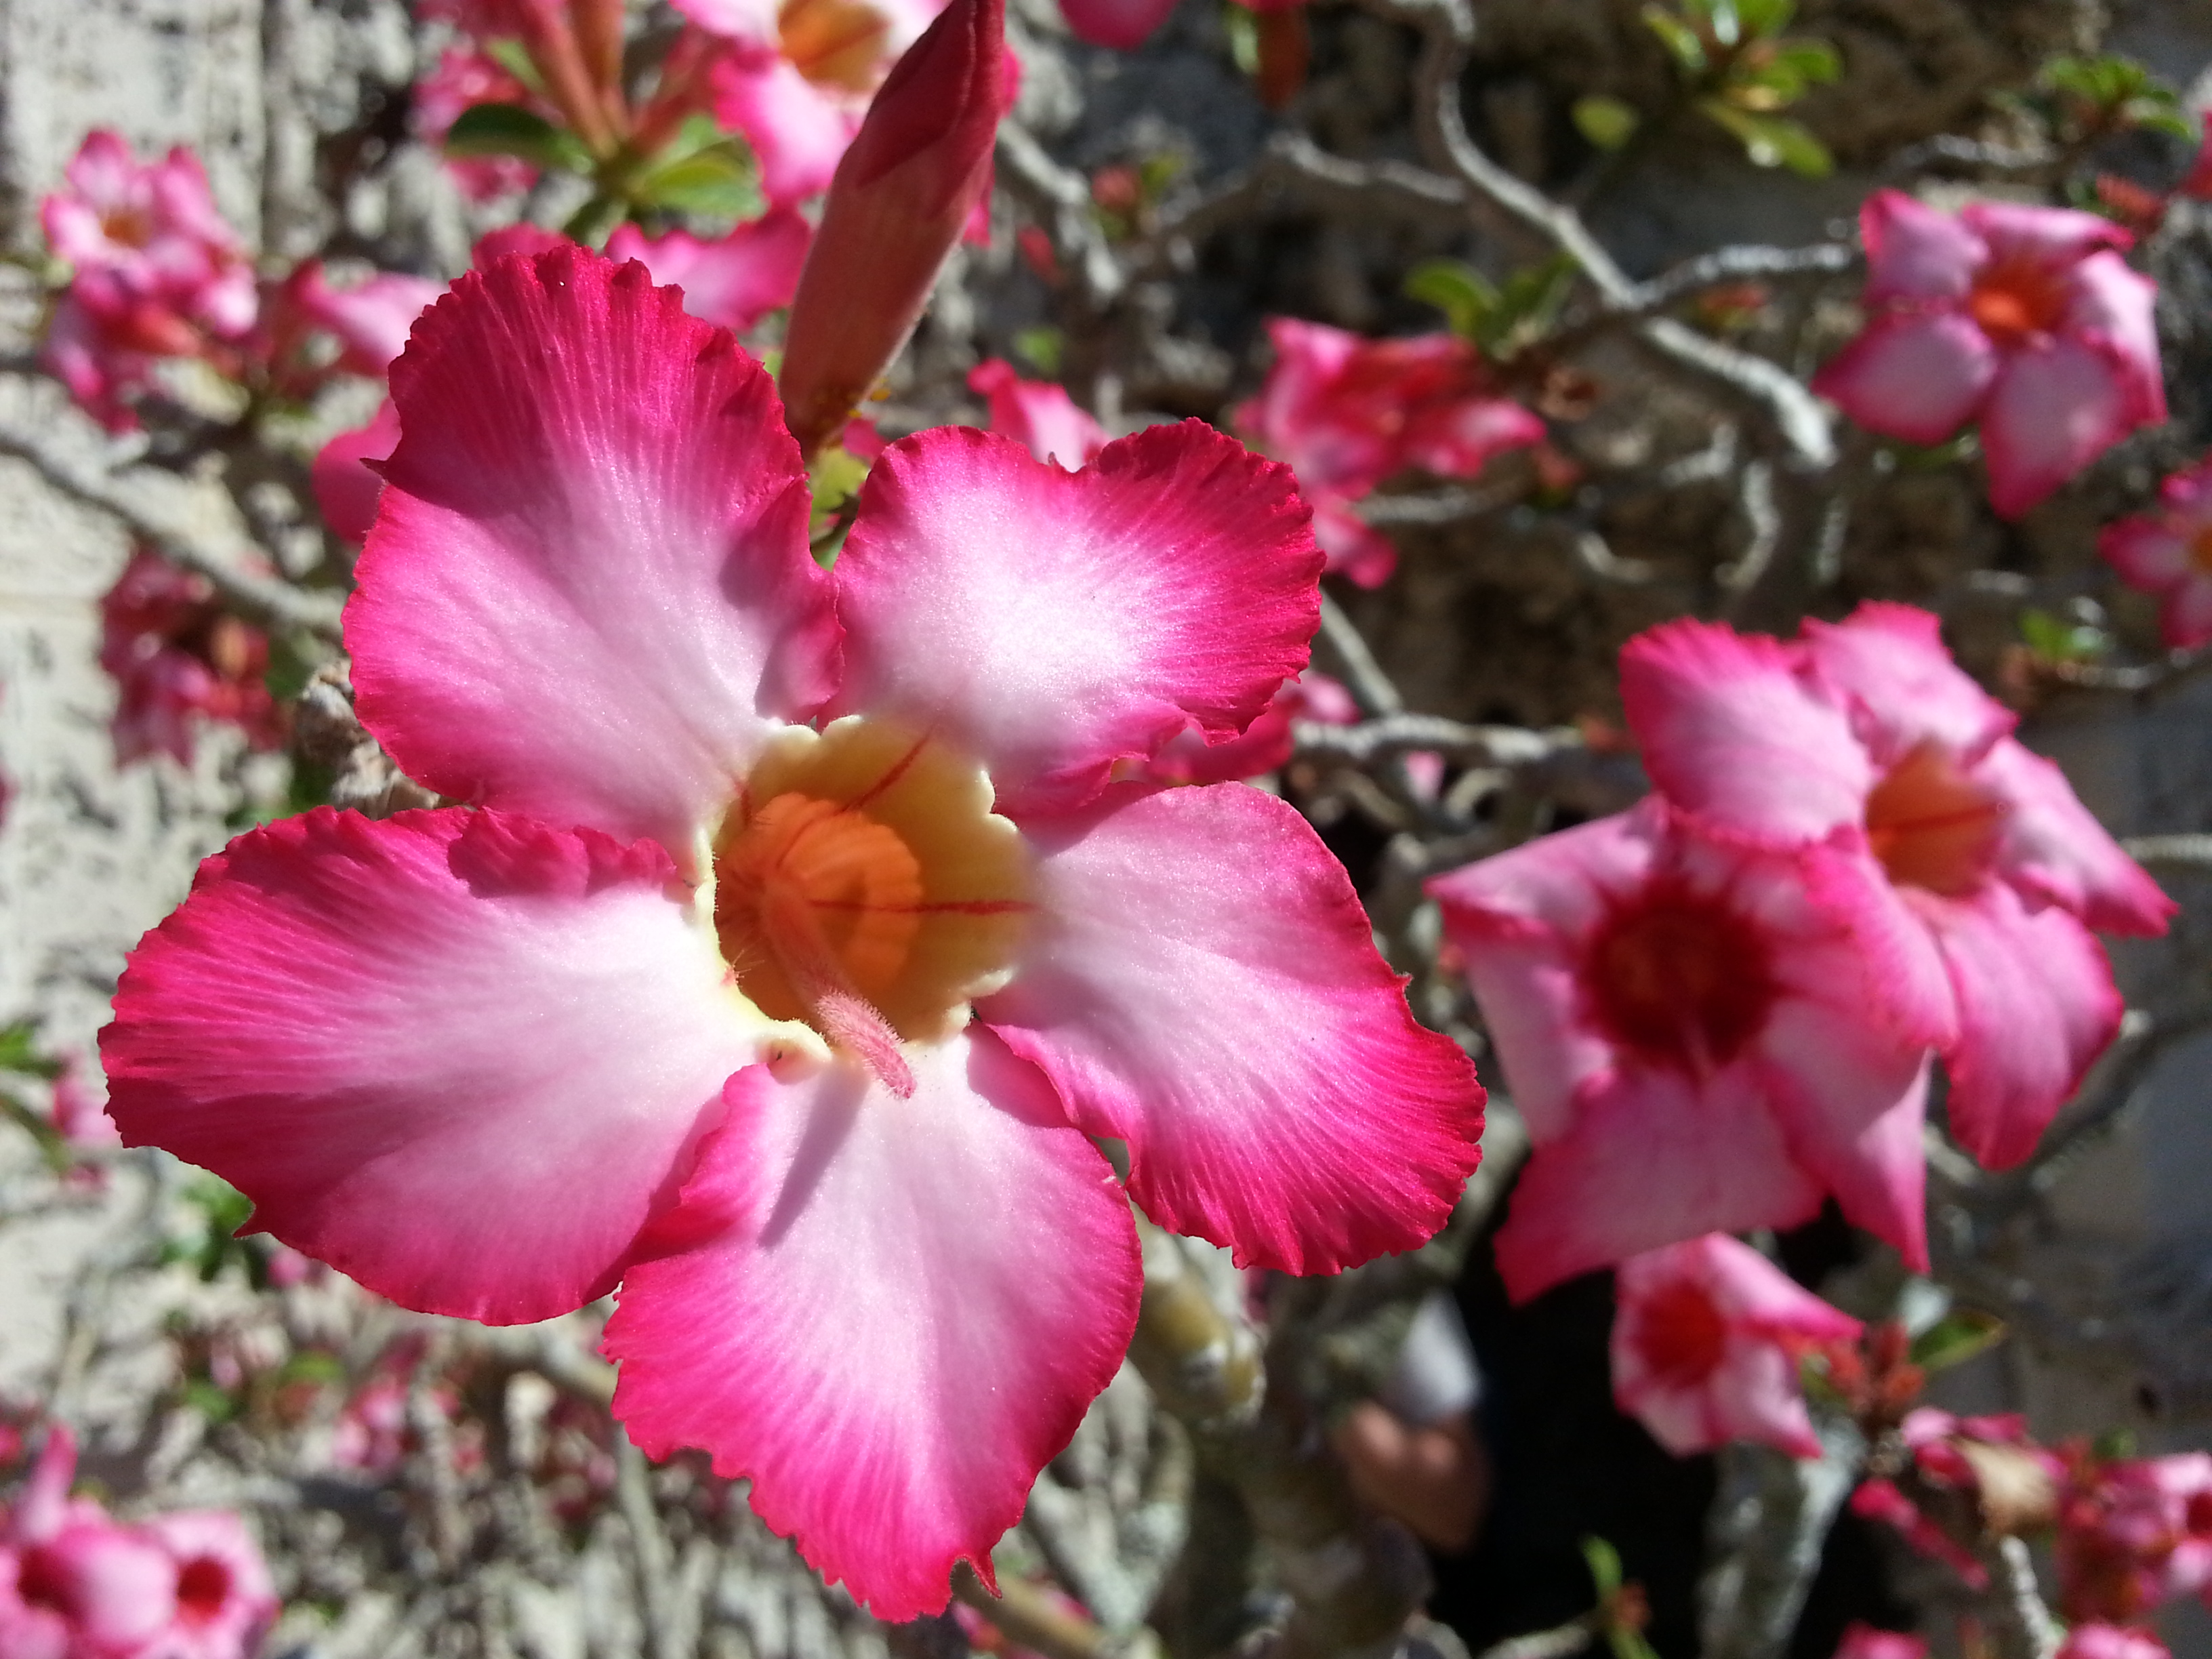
x=797 y=938
x=1684 y=1028
x=346 y=489
x=1862 y=1641
x=2022 y=320
x=1347 y=413
x=2135 y=1533
x=1124 y=25
x=1706 y=1337
x=178 y=658
x=2111 y=1642
x=368 y=319
x=75 y=1584
x=1864 y=735
x=732 y=283
x=1037 y=415
x=225 y=1597
x=2169 y=552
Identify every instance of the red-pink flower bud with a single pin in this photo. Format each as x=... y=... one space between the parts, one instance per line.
x=897 y=204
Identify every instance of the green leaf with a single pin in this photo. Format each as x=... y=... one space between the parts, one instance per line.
x=1607 y=123
x=1956 y=1338
x=511 y=55
x=1761 y=18
x=1242 y=30
x=1773 y=140
x=18 y=1051
x=511 y=129
x=1464 y=294
x=1814 y=61
x=719 y=182
x=594 y=222
x=2057 y=640
x=1604 y=1567
x=1042 y=349
x=210 y=1401
x=2114 y=1442
x=1680 y=40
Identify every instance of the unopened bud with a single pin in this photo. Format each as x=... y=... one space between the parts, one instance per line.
x=898 y=203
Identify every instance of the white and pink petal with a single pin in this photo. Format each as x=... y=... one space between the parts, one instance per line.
x=2054 y=850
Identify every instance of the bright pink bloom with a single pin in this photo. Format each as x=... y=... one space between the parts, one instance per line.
x=1037 y=415
x=733 y=283
x=73 y=1583
x=2137 y=1532
x=2169 y=552
x=901 y=197
x=1264 y=745
x=1348 y=413
x=1862 y=1641
x=178 y=658
x=369 y=319
x=1867 y=737
x=224 y=1596
x=702 y=974
x=2111 y=1642
x=1706 y=1337
x=2023 y=320
x=1125 y=24
x=1683 y=1025
x=79 y=1115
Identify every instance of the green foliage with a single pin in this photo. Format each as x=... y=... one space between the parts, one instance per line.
x=1741 y=70
x=510 y=130
x=511 y=55
x=2094 y=96
x=1957 y=1337
x=210 y=1243
x=704 y=170
x=18 y=1051
x=1502 y=318
x=1607 y=123
x=836 y=474
x=1773 y=140
x=1620 y=1604
x=1242 y=30
x=2058 y=639
x=1042 y=349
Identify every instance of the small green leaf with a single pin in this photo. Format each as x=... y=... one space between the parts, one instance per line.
x=511 y=129
x=716 y=182
x=1607 y=123
x=511 y=55
x=1042 y=349
x=594 y=222
x=2114 y=1442
x=1604 y=1567
x=1242 y=30
x=1956 y=1338
x=1465 y=295
x=1773 y=140
x=18 y=1051
x=1680 y=40
x=1761 y=18
x=210 y=1401
x=2057 y=640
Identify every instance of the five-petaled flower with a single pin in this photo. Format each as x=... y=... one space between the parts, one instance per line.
x=1866 y=736
x=2169 y=552
x=2024 y=320
x=1706 y=1338
x=794 y=938
x=1683 y=1022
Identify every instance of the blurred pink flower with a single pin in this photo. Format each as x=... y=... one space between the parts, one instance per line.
x=345 y=490
x=156 y=273
x=1037 y=413
x=1862 y=1641
x=1348 y=413
x=225 y=1599
x=1706 y=1337
x=178 y=658
x=1124 y=25
x=732 y=283
x=369 y=319
x=1685 y=1025
x=2111 y=1642
x=2133 y=1532
x=2023 y=320
x=2169 y=552
x=1866 y=736
x=754 y=994
x=467 y=75
x=1262 y=746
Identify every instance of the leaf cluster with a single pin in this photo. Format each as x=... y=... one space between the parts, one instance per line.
x=1740 y=71
x=1501 y=318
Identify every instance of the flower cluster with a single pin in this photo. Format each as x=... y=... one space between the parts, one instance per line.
x=75 y=1584
x=2135 y=1533
x=799 y=920
x=1717 y=1009
x=1348 y=413
x=179 y=658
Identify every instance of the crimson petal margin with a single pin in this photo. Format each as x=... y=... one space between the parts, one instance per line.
x=457 y=1055
x=888 y=1314
x=1052 y=623
x=1204 y=986
x=587 y=595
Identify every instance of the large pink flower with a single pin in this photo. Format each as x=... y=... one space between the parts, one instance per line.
x=75 y=1584
x=1705 y=1342
x=1867 y=736
x=1685 y=1029
x=2169 y=552
x=1348 y=413
x=2023 y=320
x=797 y=940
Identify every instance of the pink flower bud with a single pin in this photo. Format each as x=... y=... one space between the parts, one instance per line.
x=899 y=201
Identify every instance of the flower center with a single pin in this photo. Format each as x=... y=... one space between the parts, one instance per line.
x=1681 y=979
x=1931 y=825
x=838 y=43
x=127 y=227
x=203 y=1587
x=2015 y=299
x=41 y=1582
x=863 y=884
x=1682 y=1335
